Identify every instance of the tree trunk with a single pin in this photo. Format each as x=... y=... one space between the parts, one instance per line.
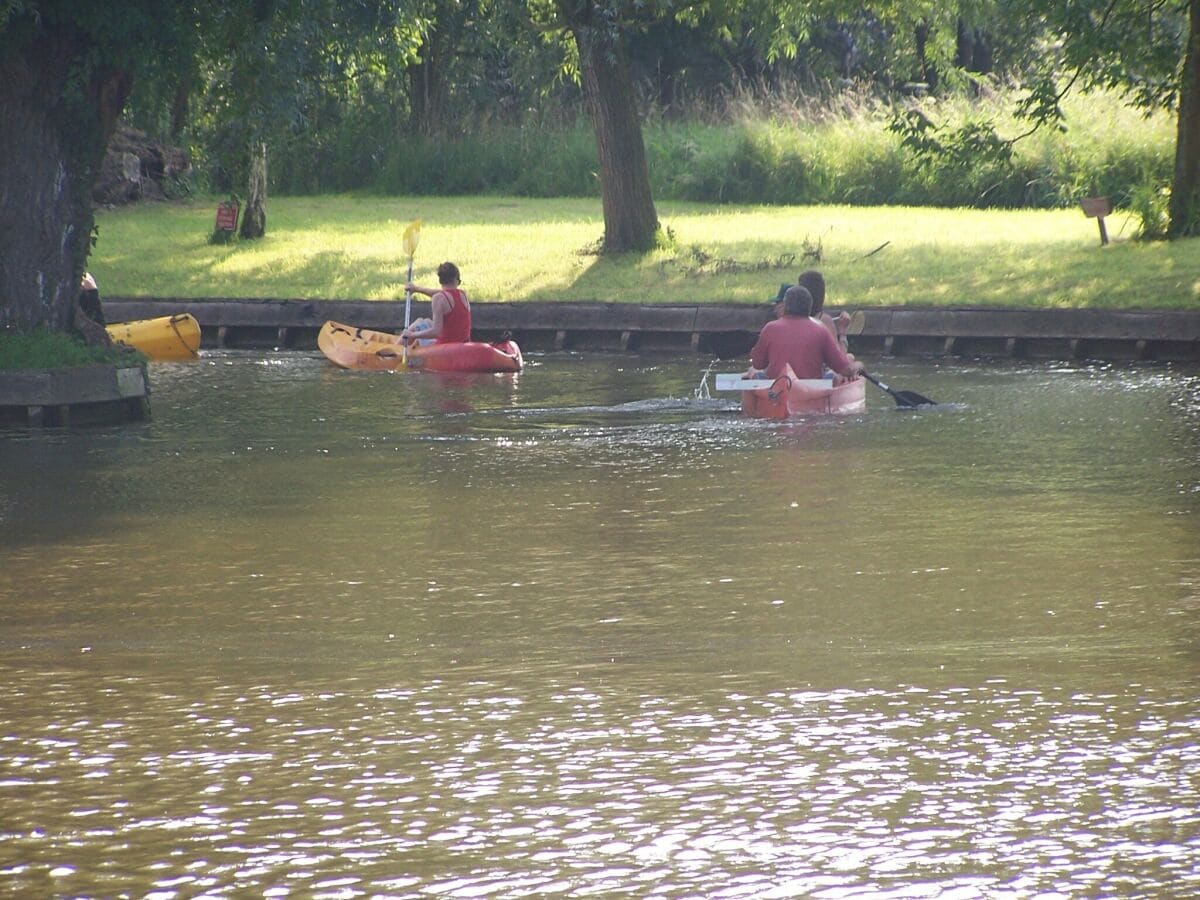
x=921 y=39
x=254 y=219
x=52 y=141
x=180 y=106
x=1185 y=189
x=427 y=93
x=429 y=80
x=630 y=220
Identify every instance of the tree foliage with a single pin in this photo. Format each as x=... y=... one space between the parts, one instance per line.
x=66 y=69
x=1148 y=50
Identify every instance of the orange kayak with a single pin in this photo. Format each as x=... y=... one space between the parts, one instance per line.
x=362 y=348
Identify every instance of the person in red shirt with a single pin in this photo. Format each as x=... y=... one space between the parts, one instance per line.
x=449 y=308
x=803 y=343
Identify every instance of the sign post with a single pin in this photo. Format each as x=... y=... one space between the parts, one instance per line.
x=227 y=218
x=1097 y=208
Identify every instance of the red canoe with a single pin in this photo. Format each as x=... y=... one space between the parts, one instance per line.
x=788 y=395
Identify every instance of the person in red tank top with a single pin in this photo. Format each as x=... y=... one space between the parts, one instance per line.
x=450 y=309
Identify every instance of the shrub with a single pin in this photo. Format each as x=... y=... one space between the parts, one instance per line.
x=770 y=150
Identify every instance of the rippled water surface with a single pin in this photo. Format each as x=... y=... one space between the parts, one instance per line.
x=579 y=633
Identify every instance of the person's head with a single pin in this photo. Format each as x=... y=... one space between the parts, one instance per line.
x=797 y=301
x=448 y=274
x=815 y=284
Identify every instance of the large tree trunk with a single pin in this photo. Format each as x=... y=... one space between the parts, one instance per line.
x=1185 y=190
x=630 y=220
x=52 y=141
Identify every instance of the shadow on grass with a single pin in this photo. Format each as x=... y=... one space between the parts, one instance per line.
x=512 y=251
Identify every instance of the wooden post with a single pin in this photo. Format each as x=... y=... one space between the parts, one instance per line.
x=1097 y=208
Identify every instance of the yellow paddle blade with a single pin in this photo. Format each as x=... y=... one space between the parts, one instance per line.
x=412 y=237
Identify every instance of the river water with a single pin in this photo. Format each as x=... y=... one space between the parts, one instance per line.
x=578 y=633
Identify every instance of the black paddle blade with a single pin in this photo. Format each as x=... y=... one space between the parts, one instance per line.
x=911 y=399
x=904 y=399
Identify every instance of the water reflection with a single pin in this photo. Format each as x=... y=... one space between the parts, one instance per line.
x=309 y=632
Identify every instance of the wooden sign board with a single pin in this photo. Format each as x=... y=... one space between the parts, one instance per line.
x=227 y=216
x=1097 y=208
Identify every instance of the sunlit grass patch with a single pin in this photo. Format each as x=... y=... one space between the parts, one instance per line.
x=509 y=249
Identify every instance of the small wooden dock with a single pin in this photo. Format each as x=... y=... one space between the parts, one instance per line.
x=98 y=394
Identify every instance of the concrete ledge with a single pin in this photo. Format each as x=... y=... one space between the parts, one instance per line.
x=1056 y=333
x=96 y=394
x=723 y=330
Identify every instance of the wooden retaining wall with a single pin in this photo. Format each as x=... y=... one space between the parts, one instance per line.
x=725 y=331
x=79 y=395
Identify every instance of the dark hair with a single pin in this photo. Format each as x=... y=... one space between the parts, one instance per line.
x=448 y=273
x=797 y=301
x=815 y=284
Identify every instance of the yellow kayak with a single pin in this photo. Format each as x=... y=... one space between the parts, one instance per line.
x=361 y=348
x=164 y=338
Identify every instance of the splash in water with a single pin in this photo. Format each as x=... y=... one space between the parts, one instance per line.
x=702 y=392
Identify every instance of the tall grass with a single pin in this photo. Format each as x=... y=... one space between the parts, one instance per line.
x=776 y=148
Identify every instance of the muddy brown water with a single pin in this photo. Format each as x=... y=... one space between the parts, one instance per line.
x=579 y=632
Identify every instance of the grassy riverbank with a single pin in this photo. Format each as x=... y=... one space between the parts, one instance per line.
x=513 y=249
x=41 y=349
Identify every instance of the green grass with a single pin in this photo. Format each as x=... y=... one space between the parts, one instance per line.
x=514 y=249
x=42 y=349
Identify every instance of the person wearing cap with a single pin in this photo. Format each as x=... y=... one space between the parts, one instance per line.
x=449 y=308
x=777 y=300
x=794 y=339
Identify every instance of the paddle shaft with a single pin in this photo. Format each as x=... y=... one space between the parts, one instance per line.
x=879 y=384
x=408 y=295
x=907 y=399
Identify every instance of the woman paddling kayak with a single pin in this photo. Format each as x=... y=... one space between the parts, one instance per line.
x=449 y=308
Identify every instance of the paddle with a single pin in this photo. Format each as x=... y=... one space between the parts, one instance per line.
x=412 y=236
x=904 y=399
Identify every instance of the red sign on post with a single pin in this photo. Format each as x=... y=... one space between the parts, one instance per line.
x=227 y=216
